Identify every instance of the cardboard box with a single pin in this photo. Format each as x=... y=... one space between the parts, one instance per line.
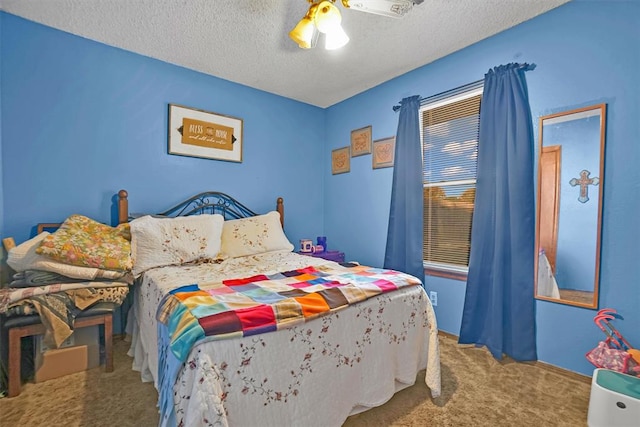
x=81 y=336
x=65 y=361
x=81 y=351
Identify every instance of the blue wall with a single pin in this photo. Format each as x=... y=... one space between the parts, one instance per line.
x=586 y=53
x=82 y=120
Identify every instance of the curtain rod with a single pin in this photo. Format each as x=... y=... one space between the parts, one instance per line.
x=447 y=93
x=475 y=85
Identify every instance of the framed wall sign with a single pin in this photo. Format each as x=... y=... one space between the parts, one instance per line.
x=340 y=162
x=199 y=133
x=361 y=141
x=383 y=152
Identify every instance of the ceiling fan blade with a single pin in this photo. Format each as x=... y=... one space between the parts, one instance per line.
x=391 y=8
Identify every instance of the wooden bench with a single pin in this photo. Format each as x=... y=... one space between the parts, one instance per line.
x=18 y=327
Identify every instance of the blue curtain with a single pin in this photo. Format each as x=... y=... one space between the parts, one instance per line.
x=404 y=236
x=499 y=310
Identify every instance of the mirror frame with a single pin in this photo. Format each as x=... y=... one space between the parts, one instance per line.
x=602 y=108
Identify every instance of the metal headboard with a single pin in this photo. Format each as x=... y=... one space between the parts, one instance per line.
x=210 y=202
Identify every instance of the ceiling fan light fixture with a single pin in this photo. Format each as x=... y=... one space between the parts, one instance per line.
x=324 y=17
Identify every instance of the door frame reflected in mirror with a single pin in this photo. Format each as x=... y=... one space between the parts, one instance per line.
x=584 y=183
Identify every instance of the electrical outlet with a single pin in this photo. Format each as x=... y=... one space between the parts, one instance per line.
x=433 y=296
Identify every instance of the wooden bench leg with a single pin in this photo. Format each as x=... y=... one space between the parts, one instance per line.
x=15 y=336
x=14 y=361
x=108 y=343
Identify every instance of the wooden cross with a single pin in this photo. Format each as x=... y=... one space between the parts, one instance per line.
x=583 y=182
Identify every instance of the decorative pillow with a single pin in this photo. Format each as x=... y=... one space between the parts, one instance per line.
x=156 y=242
x=24 y=257
x=85 y=242
x=254 y=235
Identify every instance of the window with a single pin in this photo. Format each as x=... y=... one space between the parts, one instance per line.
x=449 y=126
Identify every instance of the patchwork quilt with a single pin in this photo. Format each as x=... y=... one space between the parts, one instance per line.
x=265 y=303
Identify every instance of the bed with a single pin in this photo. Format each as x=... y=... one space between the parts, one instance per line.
x=276 y=338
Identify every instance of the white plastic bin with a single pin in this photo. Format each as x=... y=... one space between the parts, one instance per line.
x=615 y=400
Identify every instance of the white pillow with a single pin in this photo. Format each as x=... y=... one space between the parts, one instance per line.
x=156 y=242
x=24 y=257
x=254 y=235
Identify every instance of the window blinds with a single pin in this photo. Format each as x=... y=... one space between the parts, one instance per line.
x=450 y=148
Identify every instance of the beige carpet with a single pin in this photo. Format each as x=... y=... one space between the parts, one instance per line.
x=476 y=391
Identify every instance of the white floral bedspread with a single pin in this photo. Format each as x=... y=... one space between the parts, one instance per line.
x=317 y=373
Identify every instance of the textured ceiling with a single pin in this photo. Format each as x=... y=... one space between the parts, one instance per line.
x=246 y=41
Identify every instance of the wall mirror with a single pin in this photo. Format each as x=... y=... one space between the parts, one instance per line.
x=569 y=206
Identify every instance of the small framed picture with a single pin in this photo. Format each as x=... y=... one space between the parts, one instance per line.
x=361 y=141
x=383 y=152
x=340 y=160
x=198 y=133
